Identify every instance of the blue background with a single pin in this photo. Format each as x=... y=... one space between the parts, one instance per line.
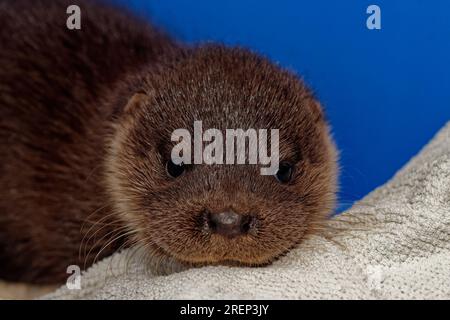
x=386 y=92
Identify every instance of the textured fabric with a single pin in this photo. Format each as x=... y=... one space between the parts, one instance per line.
x=395 y=244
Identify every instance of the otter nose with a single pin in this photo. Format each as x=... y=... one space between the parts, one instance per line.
x=229 y=223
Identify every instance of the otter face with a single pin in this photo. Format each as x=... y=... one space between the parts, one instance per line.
x=221 y=213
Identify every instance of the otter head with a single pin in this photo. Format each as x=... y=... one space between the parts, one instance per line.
x=199 y=214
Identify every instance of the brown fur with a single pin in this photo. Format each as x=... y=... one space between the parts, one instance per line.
x=86 y=120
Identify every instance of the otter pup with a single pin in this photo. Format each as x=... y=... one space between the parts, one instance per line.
x=86 y=118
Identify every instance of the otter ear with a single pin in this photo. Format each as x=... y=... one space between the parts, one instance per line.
x=136 y=102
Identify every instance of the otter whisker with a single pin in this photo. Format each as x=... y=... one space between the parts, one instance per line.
x=102 y=227
x=111 y=234
x=112 y=241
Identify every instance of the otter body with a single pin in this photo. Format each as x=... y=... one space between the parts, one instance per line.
x=85 y=135
x=53 y=122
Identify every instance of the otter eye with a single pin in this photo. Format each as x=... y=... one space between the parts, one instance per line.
x=284 y=173
x=174 y=170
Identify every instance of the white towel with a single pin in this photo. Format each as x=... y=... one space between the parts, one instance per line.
x=397 y=246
